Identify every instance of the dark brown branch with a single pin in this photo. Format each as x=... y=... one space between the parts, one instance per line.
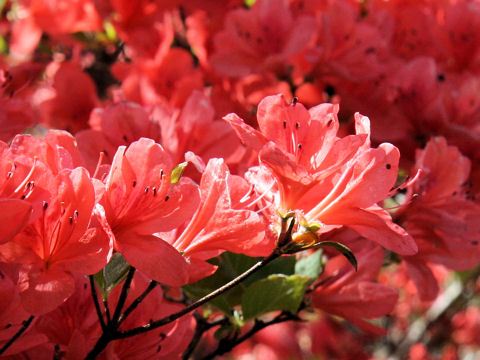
x=97 y=304
x=137 y=301
x=168 y=319
x=24 y=327
x=226 y=345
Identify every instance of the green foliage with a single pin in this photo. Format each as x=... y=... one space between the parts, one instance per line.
x=276 y=292
x=345 y=251
x=112 y=274
x=311 y=266
x=231 y=266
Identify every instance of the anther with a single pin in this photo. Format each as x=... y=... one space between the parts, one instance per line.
x=70 y=220
x=167 y=197
x=146 y=189
x=154 y=191
x=125 y=138
x=134 y=183
x=45 y=205
x=330 y=122
x=297 y=125
x=299 y=146
x=388 y=166
x=284 y=124
x=161 y=173
x=294 y=101
x=159 y=348
x=75 y=214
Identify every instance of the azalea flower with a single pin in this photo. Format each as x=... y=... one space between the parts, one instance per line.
x=60 y=242
x=221 y=222
x=440 y=216
x=326 y=181
x=352 y=295
x=140 y=201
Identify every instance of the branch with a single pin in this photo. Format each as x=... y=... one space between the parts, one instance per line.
x=226 y=345
x=24 y=327
x=123 y=296
x=202 y=326
x=168 y=319
x=137 y=301
x=97 y=304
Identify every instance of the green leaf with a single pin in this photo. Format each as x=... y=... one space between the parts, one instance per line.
x=345 y=251
x=177 y=172
x=277 y=292
x=112 y=274
x=311 y=266
x=231 y=266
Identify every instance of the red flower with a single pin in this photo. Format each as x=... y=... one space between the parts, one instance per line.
x=140 y=201
x=440 y=216
x=220 y=224
x=326 y=180
x=261 y=38
x=57 y=244
x=354 y=295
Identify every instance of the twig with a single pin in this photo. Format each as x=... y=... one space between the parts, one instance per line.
x=225 y=345
x=137 y=301
x=202 y=326
x=111 y=332
x=24 y=327
x=97 y=304
x=123 y=296
x=168 y=319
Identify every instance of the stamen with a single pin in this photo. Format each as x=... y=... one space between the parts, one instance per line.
x=101 y=157
x=25 y=181
x=154 y=191
x=146 y=189
x=167 y=197
x=259 y=197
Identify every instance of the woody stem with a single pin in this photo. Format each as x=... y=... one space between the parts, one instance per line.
x=168 y=319
x=24 y=327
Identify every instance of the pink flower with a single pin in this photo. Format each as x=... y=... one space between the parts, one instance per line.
x=220 y=223
x=440 y=216
x=354 y=295
x=58 y=243
x=261 y=38
x=140 y=201
x=326 y=180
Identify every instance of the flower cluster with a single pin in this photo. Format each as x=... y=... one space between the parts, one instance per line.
x=151 y=151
